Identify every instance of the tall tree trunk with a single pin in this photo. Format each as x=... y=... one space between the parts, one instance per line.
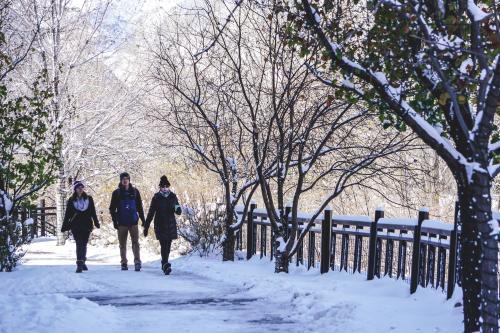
x=479 y=256
x=60 y=194
x=281 y=255
x=281 y=261
x=228 y=244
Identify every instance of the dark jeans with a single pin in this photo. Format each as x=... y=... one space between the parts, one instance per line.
x=81 y=239
x=165 y=250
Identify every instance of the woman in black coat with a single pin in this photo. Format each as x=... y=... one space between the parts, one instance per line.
x=80 y=213
x=163 y=206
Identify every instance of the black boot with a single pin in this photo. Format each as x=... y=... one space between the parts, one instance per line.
x=167 y=268
x=84 y=267
x=138 y=267
x=124 y=267
x=79 y=266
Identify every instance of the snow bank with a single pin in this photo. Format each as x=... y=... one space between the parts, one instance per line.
x=31 y=282
x=337 y=302
x=54 y=313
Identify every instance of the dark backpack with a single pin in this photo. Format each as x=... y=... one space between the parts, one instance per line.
x=127 y=208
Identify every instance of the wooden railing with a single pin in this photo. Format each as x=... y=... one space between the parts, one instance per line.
x=420 y=251
x=37 y=221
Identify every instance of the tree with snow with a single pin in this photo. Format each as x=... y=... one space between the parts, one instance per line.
x=29 y=145
x=194 y=97
x=297 y=128
x=433 y=67
x=70 y=47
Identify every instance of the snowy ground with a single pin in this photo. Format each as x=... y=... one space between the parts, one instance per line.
x=45 y=295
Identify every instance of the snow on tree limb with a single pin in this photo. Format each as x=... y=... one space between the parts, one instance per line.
x=476 y=12
x=428 y=133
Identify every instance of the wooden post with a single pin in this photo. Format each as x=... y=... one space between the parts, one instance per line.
x=254 y=239
x=271 y=245
x=334 y=247
x=250 y=231
x=42 y=217
x=458 y=259
x=24 y=216
x=300 y=249
x=326 y=238
x=415 y=259
x=372 y=245
x=263 y=238
x=452 y=263
x=288 y=211
x=34 y=226
x=286 y=230
x=311 y=251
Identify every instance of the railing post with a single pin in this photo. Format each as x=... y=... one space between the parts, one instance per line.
x=34 y=226
x=300 y=246
x=458 y=259
x=250 y=231
x=423 y=214
x=286 y=231
x=24 y=217
x=452 y=263
x=263 y=238
x=288 y=211
x=372 y=245
x=42 y=217
x=311 y=251
x=326 y=239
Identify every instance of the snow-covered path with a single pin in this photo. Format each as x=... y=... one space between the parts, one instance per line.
x=45 y=295
x=147 y=301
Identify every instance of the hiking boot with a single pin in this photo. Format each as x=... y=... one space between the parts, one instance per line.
x=79 y=266
x=167 y=268
x=124 y=267
x=138 y=267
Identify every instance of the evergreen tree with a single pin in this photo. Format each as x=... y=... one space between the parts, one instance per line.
x=28 y=149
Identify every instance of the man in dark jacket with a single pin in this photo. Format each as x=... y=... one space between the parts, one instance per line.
x=126 y=210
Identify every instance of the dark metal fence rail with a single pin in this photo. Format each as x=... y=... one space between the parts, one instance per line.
x=420 y=251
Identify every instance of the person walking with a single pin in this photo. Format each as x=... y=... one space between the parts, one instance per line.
x=79 y=215
x=163 y=206
x=126 y=210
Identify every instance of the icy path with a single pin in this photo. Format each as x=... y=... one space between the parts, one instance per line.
x=45 y=295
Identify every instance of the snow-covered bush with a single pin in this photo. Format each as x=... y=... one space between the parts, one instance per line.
x=11 y=241
x=202 y=227
x=12 y=237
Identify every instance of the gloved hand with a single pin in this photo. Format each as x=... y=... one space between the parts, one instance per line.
x=115 y=225
x=146 y=232
x=178 y=210
x=98 y=225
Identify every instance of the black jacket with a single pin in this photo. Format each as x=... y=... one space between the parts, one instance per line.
x=162 y=209
x=76 y=220
x=115 y=203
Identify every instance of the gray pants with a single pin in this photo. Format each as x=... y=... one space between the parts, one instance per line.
x=123 y=232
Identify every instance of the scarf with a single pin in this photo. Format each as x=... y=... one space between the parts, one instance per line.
x=165 y=194
x=81 y=204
